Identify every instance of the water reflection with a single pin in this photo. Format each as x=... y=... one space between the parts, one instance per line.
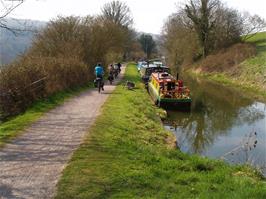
x=220 y=117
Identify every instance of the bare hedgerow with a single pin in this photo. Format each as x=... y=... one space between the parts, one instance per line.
x=63 y=55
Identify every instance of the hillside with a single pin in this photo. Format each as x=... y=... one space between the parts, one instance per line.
x=12 y=45
x=242 y=64
x=254 y=69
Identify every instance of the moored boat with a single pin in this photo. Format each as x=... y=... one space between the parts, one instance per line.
x=145 y=72
x=169 y=93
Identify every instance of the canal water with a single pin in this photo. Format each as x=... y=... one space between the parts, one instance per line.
x=224 y=123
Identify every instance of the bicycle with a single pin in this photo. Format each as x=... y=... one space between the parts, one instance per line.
x=111 y=78
x=98 y=83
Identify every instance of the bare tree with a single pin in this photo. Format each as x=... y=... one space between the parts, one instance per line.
x=228 y=28
x=118 y=12
x=202 y=14
x=8 y=6
x=252 y=24
x=180 y=42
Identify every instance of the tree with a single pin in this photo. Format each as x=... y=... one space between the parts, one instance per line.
x=215 y=25
x=117 y=20
x=148 y=44
x=202 y=14
x=61 y=38
x=6 y=8
x=252 y=25
x=117 y=12
x=180 y=43
x=202 y=27
x=228 y=28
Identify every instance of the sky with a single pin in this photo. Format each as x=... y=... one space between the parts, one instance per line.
x=149 y=15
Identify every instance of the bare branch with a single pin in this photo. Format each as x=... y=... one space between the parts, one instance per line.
x=117 y=12
x=252 y=25
x=8 y=9
x=8 y=6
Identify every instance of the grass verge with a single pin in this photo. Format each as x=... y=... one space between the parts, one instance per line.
x=126 y=155
x=14 y=126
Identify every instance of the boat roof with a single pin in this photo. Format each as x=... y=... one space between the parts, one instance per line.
x=163 y=76
x=158 y=62
x=154 y=66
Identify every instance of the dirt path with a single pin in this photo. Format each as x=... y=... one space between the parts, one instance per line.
x=31 y=165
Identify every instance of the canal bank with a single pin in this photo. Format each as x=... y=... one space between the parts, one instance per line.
x=256 y=89
x=126 y=155
x=236 y=67
x=224 y=123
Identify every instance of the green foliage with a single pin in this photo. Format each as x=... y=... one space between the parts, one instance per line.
x=126 y=155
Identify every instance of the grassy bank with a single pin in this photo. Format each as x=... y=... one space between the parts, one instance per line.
x=14 y=126
x=126 y=154
x=249 y=74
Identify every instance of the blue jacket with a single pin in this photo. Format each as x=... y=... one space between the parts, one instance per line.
x=98 y=70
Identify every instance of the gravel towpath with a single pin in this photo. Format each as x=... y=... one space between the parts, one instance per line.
x=31 y=165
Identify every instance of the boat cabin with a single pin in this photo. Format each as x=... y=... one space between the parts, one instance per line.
x=167 y=86
x=148 y=70
x=167 y=92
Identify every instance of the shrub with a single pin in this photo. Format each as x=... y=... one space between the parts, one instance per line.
x=63 y=55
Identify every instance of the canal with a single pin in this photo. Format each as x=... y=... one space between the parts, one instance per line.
x=223 y=123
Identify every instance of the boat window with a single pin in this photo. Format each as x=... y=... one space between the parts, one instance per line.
x=148 y=71
x=161 y=86
x=170 y=86
x=166 y=70
x=165 y=74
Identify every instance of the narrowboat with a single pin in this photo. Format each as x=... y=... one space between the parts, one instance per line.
x=141 y=64
x=169 y=93
x=145 y=72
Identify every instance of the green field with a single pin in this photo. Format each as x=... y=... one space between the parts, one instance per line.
x=254 y=69
x=128 y=154
x=260 y=40
x=14 y=126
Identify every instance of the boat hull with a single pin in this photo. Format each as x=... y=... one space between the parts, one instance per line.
x=176 y=104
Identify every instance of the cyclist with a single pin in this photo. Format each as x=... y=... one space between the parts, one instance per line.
x=119 y=66
x=99 y=73
x=111 y=73
x=116 y=70
x=111 y=69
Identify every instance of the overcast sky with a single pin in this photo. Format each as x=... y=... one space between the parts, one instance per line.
x=149 y=15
